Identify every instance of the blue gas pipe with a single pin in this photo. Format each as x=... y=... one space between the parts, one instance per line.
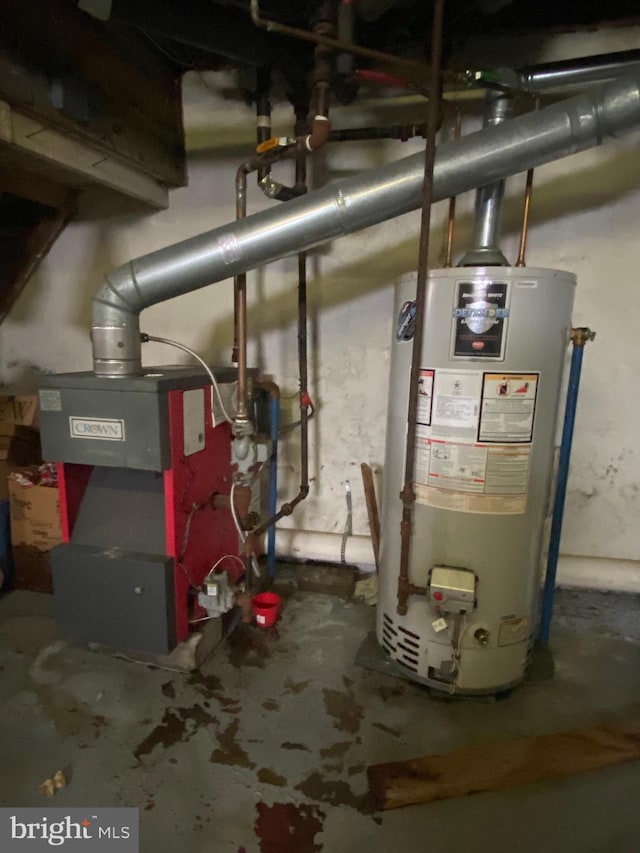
x=579 y=337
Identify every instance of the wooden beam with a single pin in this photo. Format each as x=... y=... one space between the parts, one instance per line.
x=35 y=187
x=78 y=163
x=36 y=246
x=491 y=766
x=134 y=93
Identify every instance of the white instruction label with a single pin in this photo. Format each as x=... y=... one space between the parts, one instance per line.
x=50 y=400
x=425 y=396
x=456 y=403
x=193 y=420
x=472 y=446
x=472 y=477
x=508 y=407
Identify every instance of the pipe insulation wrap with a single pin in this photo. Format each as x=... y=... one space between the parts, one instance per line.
x=347 y=206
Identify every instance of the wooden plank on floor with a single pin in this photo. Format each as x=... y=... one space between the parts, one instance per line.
x=491 y=766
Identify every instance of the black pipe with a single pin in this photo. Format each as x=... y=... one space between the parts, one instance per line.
x=344 y=85
x=391 y=131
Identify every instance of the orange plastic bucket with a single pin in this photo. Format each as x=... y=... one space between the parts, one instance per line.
x=266 y=606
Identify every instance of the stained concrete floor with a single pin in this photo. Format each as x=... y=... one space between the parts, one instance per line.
x=266 y=749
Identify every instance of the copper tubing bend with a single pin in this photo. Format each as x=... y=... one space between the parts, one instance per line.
x=319 y=136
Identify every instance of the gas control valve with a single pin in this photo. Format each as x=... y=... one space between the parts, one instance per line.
x=452 y=590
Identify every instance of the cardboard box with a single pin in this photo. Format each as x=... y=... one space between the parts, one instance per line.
x=19 y=410
x=35 y=515
x=19 y=436
x=35 y=530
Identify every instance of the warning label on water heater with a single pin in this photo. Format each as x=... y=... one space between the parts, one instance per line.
x=473 y=452
x=508 y=407
x=472 y=477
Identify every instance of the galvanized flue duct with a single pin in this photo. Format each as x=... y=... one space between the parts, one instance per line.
x=487 y=219
x=342 y=208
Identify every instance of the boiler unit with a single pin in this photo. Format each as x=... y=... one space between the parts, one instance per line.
x=495 y=340
x=144 y=477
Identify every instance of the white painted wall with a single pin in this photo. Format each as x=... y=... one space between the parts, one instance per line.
x=585 y=218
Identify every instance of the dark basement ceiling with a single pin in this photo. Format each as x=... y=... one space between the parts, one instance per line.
x=214 y=34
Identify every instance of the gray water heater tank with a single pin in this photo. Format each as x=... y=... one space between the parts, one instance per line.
x=495 y=342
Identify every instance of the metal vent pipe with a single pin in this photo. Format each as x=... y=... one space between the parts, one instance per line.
x=348 y=206
x=487 y=223
x=579 y=72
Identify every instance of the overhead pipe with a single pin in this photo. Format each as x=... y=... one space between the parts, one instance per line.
x=325 y=40
x=579 y=72
x=344 y=85
x=347 y=206
x=584 y=71
x=403 y=132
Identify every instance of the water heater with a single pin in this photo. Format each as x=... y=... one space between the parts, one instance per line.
x=495 y=340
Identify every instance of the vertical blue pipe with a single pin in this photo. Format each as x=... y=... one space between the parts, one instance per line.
x=579 y=340
x=273 y=485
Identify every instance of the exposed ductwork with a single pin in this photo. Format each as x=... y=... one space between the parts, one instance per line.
x=579 y=72
x=485 y=245
x=475 y=160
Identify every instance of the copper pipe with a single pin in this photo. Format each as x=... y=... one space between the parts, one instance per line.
x=525 y=220
x=323 y=74
x=320 y=130
x=405 y=588
x=240 y=302
x=288 y=507
x=334 y=43
x=448 y=262
x=524 y=233
x=253 y=164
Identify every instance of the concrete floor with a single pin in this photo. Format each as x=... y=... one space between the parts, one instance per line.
x=267 y=748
